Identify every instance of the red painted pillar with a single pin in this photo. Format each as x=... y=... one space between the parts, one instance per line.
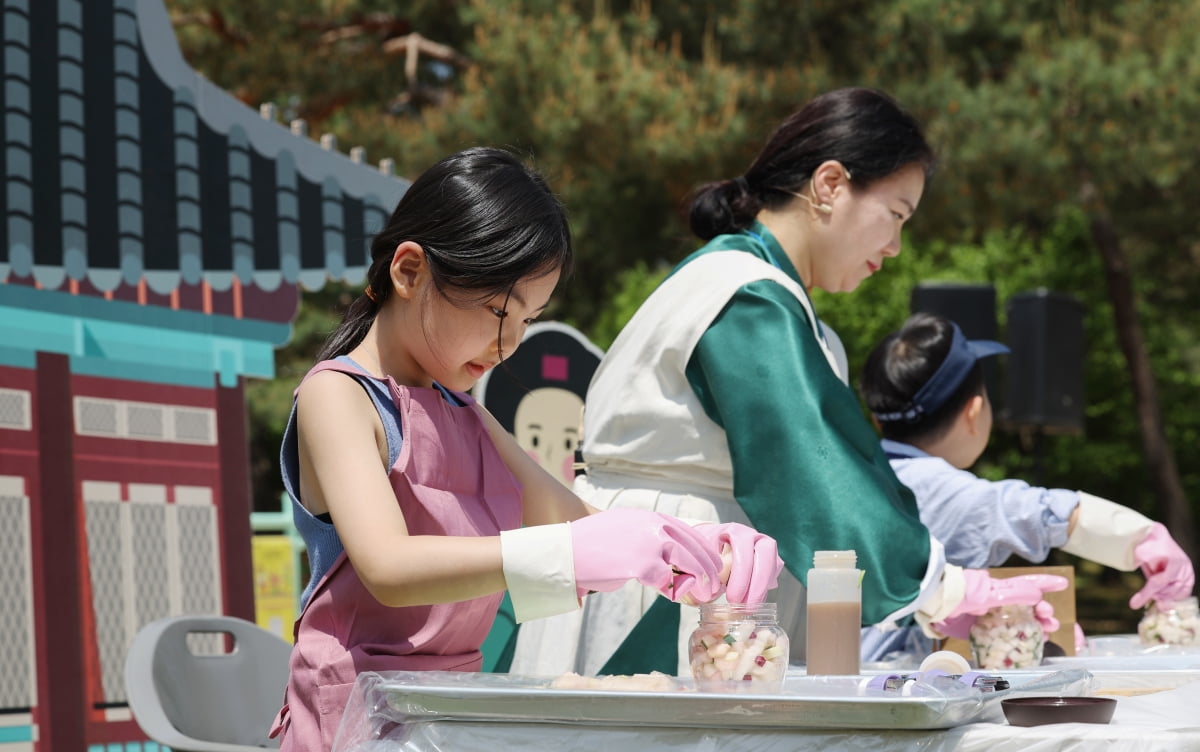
x=58 y=534
x=234 y=505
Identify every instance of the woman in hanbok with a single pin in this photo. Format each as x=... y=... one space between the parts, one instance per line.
x=724 y=399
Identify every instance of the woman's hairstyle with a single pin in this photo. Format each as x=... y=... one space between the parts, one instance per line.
x=904 y=362
x=864 y=129
x=485 y=222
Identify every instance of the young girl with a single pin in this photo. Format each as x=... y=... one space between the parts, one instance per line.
x=411 y=497
x=925 y=387
x=721 y=399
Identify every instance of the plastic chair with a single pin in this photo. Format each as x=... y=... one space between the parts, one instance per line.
x=191 y=702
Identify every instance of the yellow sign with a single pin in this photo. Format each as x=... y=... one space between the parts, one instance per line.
x=275 y=577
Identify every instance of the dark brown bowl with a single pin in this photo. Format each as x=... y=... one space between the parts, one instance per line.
x=1036 y=711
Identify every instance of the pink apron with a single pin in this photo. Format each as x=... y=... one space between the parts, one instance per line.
x=449 y=480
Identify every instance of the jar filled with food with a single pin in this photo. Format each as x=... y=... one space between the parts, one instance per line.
x=1171 y=623
x=739 y=648
x=1006 y=637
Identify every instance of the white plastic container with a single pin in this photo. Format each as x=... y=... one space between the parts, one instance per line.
x=834 y=614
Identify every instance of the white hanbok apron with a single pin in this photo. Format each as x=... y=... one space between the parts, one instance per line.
x=649 y=444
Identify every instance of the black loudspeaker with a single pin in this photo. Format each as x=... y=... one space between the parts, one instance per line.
x=973 y=308
x=1045 y=368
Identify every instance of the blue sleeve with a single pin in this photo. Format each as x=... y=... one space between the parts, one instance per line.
x=981 y=522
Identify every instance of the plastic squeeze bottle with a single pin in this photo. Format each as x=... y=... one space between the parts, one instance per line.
x=834 y=613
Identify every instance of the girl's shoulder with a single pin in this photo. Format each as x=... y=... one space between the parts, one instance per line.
x=320 y=377
x=341 y=364
x=338 y=386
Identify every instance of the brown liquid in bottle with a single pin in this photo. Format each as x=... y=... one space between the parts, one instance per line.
x=833 y=638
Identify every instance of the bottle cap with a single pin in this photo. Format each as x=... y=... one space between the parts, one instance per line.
x=835 y=559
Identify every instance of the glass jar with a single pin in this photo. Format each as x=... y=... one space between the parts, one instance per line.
x=738 y=648
x=1007 y=637
x=1171 y=623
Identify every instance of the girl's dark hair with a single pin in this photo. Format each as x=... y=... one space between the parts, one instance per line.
x=901 y=364
x=864 y=129
x=485 y=222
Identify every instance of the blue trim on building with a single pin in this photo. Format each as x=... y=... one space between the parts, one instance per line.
x=171 y=347
x=146 y=746
x=101 y=309
x=13 y=734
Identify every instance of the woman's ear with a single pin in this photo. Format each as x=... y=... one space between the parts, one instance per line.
x=409 y=269
x=829 y=179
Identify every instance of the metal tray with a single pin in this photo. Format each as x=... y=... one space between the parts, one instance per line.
x=806 y=702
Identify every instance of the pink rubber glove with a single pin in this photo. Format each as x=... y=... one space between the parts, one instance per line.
x=659 y=551
x=985 y=592
x=754 y=565
x=1168 y=570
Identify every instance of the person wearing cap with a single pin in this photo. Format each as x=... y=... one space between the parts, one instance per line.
x=924 y=386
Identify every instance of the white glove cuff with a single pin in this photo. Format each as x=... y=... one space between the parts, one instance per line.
x=539 y=568
x=942 y=601
x=1107 y=532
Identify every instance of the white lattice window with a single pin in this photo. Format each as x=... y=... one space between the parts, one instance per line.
x=16 y=409
x=145 y=421
x=18 y=686
x=148 y=559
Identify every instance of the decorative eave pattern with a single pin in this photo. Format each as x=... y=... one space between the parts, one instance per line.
x=129 y=174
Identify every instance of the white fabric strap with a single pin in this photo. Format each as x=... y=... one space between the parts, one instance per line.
x=646 y=421
x=833 y=346
x=942 y=601
x=931 y=587
x=539 y=567
x=1107 y=532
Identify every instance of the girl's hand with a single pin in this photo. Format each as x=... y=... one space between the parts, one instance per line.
x=751 y=560
x=659 y=551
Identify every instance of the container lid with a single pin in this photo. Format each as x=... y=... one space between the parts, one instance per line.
x=835 y=559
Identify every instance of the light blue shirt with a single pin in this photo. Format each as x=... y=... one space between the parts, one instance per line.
x=980 y=522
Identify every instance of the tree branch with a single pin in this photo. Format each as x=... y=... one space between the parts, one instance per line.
x=1160 y=458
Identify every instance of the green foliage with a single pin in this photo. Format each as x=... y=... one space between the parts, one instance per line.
x=623 y=123
x=632 y=287
x=270 y=402
x=1014 y=262
x=1047 y=116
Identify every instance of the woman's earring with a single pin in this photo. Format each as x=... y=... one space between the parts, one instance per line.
x=822 y=207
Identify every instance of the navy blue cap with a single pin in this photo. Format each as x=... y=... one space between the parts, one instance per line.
x=946 y=379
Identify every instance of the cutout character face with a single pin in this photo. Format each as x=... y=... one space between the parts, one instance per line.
x=538 y=393
x=547 y=426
